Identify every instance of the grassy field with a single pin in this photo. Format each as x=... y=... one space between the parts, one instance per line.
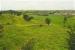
x=19 y=34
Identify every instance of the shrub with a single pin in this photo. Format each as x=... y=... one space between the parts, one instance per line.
x=47 y=21
x=65 y=19
x=72 y=37
x=27 y=18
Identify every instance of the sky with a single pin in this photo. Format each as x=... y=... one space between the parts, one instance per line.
x=37 y=5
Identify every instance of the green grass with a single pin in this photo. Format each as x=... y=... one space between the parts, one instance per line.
x=15 y=35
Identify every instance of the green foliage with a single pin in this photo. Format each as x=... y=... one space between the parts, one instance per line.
x=72 y=37
x=27 y=18
x=4 y=48
x=1 y=30
x=17 y=31
x=47 y=21
x=65 y=19
x=29 y=45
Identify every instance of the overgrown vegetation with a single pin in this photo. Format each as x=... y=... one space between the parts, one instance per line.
x=72 y=38
x=29 y=45
x=20 y=29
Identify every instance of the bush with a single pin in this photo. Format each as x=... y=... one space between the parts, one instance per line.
x=65 y=20
x=47 y=21
x=27 y=18
x=71 y=41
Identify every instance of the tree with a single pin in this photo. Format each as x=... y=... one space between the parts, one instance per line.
x=65 y=20
x=72 y=37
x=0 y=12
x=18 y=13
x=47 y=21
x=66 y=17
x=27 y=18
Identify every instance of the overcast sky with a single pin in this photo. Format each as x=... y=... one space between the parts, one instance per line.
x=37 y=4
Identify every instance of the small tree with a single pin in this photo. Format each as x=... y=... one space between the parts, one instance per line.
x=0 y=12
x=47 y=21
x=65 y=19
x=27 y=18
